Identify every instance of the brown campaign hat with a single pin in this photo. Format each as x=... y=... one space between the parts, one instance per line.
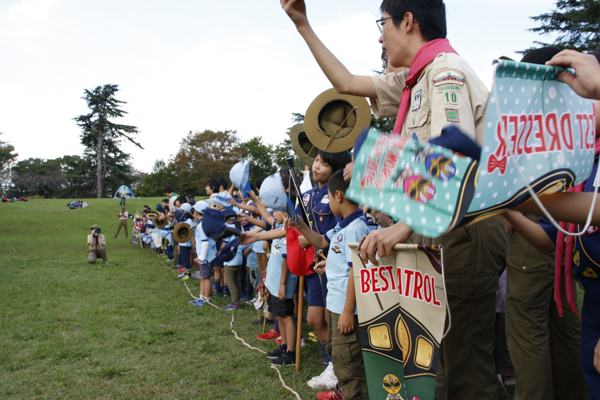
x=333 y=121
x=182 y=233
x=303 y=148
x=157 y=223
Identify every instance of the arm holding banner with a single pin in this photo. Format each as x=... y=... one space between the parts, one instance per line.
x=382 y=241
x=533 y=233
x=587 y=81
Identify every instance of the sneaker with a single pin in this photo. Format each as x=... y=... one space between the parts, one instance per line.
x=225 y=294
x=278 y=340
x=272 y=334
x=232 y=307
x=252 y=301
x=181 y=269
x=327 y=380
x=197 y=302
x=245 y=298
x=333 y=394
x=106 y=263
x=196 y=275
x=275 y=353
x=283 y=359
x=184 y=276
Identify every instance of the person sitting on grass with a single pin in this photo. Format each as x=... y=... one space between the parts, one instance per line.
x=343 y=330
x=96 y=243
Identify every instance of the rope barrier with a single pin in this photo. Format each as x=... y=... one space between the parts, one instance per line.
x=246 y=344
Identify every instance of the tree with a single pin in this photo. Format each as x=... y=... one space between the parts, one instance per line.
x=577 y=23
x=162 y=174
x=205 y=155
x=260 y=156
x=37 y=177
x=102 y=137
x=7 y=158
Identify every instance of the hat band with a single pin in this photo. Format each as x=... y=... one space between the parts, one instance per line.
x=339 y=127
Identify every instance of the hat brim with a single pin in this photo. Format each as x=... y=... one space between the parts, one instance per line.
x=302 y=146
x=333 y=121
x=182 y=233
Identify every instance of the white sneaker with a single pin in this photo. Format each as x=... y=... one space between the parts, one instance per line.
x=327 y=380
x=196 y=275
x=302 y=342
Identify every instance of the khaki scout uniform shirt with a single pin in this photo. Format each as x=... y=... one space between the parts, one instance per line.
x=447 y=92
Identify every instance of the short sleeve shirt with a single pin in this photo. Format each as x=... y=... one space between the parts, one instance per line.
x=447 y=92
x=316 y=202
x=278 y=253
x=339 y=260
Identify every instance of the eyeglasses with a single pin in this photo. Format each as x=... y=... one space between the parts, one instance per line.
x=379 y=21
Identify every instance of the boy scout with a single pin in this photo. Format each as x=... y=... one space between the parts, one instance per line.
x=441 y=89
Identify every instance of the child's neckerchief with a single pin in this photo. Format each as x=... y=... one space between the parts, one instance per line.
x=423 y=58
x=565 y=251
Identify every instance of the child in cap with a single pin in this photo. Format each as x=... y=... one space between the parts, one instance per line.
x=203 y=244
x=343 y=339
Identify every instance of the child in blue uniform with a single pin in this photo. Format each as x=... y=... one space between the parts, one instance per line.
x=343 y=340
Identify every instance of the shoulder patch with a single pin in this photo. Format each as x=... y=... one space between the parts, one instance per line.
x=448 y=77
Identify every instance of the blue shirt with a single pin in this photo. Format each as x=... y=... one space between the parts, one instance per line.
x=316 y=202
x=350 y=230
x=278 y=253
x=199 y=237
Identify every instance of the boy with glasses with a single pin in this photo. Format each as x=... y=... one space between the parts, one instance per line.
x=438 y=89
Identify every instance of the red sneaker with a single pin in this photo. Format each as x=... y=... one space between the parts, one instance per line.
x=332 y=394
x=181 y=269
x=272 y=334
x=278 y=340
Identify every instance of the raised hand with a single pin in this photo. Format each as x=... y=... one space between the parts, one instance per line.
x=587 y=81
x=382 y=241
x=296 y=10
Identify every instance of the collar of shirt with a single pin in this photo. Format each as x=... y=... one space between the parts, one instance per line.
x=346 y=221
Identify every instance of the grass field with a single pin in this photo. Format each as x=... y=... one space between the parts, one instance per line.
x=73 y=330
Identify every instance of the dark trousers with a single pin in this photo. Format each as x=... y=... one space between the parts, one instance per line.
x=122 y=203
x=122 y=223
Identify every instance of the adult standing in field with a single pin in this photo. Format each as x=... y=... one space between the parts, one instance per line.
x=96 y=243
x=123 y=215
x=123 y=195
x=438 y=89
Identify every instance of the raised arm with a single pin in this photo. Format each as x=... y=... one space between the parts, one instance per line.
x=339 y=76
x=311 y=236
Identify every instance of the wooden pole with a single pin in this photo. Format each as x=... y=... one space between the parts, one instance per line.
x=300 y=316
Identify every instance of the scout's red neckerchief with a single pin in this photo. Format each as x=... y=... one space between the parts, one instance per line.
x=565 y=251
x=424 y=56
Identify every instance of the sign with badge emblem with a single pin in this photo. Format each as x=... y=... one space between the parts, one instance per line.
x=401 y=315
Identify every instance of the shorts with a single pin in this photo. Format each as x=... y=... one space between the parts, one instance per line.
x=205 y=270
x=314 y=290
x=263 y=260
x=252 y=261
x=281 y=308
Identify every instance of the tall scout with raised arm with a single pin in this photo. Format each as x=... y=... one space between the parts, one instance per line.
x=437 y=90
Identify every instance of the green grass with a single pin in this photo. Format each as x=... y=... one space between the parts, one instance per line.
x=120 y=331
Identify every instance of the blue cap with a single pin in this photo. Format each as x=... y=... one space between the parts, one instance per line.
x=160 y=208
x=222 y=198
x=200 y=207
x=455 y=140
x=274 y=196
x=186 y=207
x=239 y=177
x=214 y=226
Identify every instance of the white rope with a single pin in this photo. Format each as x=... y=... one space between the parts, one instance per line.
x=246 y=344
x=529 y=188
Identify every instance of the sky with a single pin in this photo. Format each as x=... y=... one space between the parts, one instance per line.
x=193 y=65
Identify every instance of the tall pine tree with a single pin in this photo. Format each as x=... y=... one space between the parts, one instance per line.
x=102 y=137
x=576 y=22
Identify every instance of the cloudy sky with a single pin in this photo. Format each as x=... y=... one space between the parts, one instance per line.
x=202 y=64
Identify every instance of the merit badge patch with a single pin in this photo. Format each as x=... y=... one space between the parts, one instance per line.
x=325 y=199
x=417 y=101
x=452 y=115
x=305 y=199
x=589 y=273
x=448 y=77
x=592 y=229
x=340 y=237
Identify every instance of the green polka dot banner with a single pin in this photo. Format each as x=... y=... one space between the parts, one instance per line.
x=549 y=129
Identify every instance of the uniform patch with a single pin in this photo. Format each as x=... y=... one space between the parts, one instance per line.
x=340 y=237
x=337 y=249
x=592 y=229
x=449 y=77
x=590 y=273
x=325 y=199
x=576 y=258
x=305 y=199
x=417 y=100
x=452 y=115
x=448 y=88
